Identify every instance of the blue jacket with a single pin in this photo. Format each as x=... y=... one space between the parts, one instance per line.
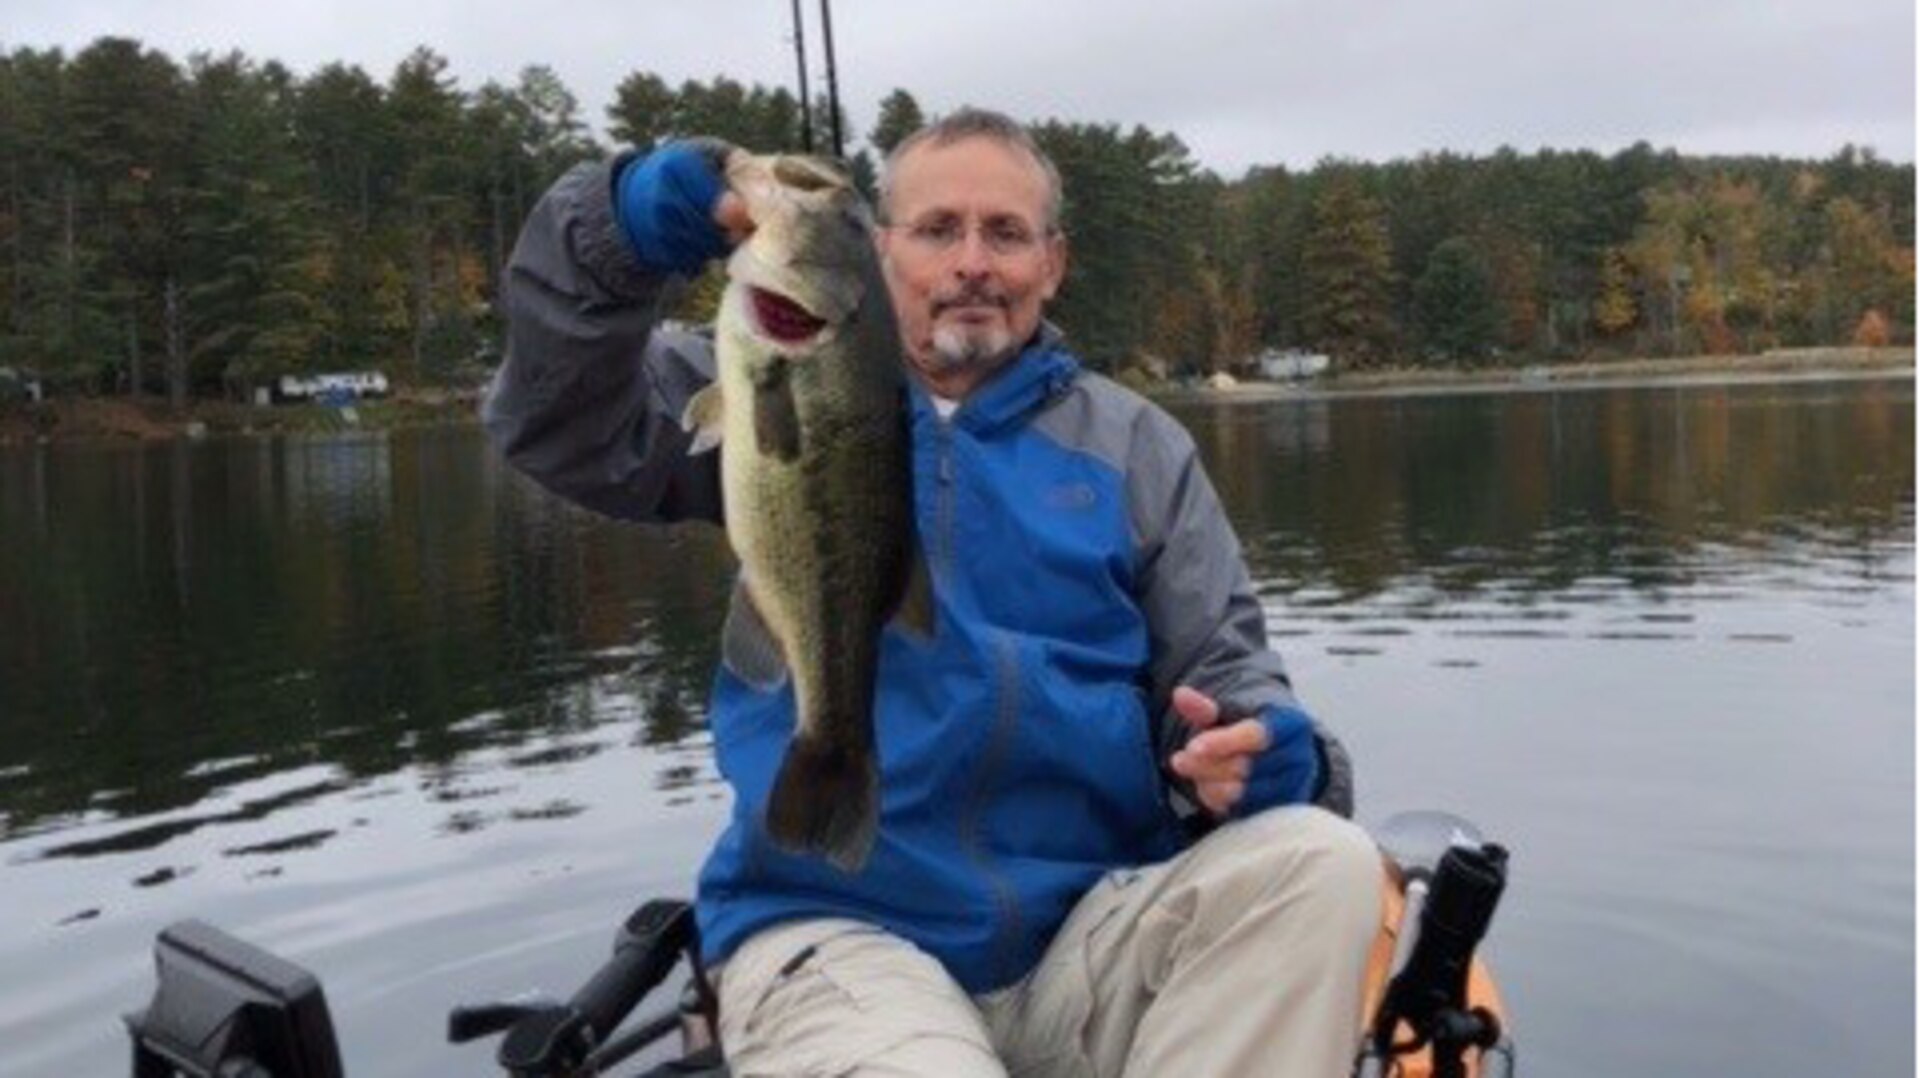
x=1082 y=568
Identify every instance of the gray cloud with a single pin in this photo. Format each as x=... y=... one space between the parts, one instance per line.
x=1243 y=82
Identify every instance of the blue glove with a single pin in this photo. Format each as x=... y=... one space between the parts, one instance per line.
x=1287 y=772
x=664 y=203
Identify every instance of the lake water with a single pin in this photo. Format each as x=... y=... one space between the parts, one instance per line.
x=380 y=705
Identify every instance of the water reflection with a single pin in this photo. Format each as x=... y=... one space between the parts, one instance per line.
x=1661 y=641
x=1342 y=499
x=372 y=695
x=184 y=619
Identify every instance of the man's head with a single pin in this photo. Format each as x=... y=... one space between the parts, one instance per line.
x=971 y=244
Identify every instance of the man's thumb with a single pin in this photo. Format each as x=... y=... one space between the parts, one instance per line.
x=1196 y=708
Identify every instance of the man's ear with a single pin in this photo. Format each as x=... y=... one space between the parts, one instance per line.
x=1056 y=264
x=883 y=249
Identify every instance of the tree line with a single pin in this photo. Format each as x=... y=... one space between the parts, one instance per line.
x=199 y=228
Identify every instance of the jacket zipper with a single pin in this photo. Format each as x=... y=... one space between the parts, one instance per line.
x=943 y=506
x=1006 y=714
x=1006 y=711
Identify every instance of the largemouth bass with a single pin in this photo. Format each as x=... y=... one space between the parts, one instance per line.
x=810 y=410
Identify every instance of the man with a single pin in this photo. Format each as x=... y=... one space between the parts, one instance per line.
x=1034 y=904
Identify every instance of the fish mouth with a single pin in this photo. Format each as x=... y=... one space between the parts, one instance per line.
x=781 y=318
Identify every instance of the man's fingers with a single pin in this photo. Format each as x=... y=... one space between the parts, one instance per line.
x=1202 y=769
x=730 y=213
x=1195 y=707
x=1248 y=737
x=1217 y=759
x=1220 y=797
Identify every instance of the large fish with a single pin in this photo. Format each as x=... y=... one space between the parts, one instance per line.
x=810 y=409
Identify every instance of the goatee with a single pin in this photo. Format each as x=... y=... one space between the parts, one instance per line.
x=958 y=348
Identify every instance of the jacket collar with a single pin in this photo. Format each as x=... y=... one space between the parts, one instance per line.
x=1041 y=372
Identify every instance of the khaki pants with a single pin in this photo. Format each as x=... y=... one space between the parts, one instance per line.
x=1242 y=956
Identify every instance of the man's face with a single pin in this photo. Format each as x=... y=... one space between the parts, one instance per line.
x=968 y=257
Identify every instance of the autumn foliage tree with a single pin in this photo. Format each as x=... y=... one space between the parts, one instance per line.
x=1614 y=309
x=203 y=226
x=1347 y=264
x=1873 y=331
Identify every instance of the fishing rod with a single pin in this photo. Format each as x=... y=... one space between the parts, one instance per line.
x=800 y=55
x=833 y=79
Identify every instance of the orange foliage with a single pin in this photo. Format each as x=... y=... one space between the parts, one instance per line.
x=1873 y=330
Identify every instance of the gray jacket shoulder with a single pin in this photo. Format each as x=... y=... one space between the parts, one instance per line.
x=1131 y=434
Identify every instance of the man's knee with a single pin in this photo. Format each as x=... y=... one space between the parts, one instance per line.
x=1310 y=853
x=840 y=997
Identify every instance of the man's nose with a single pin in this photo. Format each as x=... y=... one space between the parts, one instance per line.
x=972 y=258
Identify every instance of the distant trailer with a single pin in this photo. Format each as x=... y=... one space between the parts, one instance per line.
x=16 y=384
x=330 y=389
x=1292 y=364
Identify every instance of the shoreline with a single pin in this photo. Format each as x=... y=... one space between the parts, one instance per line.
x=1797 y=365
x=123 y=420
x=120 y=420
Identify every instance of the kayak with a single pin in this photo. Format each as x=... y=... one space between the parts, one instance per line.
x=225 y=1007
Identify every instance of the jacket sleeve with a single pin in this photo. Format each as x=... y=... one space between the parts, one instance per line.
x=1208 y=630
x=589 y=398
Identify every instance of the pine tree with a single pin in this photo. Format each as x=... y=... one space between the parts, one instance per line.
x=246 y=292
x=1347 y=276
x=1130 y=228
x=349 y=151
x=1454 y=303
x=426 y=108
x=900 y=116
x=642 y=111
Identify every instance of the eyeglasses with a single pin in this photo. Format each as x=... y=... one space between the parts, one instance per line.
x=1004 y=236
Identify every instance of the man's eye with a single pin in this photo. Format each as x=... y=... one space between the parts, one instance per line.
x=941 y=233
x=1007 y=236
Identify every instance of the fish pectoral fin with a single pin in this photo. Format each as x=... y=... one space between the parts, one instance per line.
x=776 y=416
x=705 y=418
x=747 y=646
x=915 y=613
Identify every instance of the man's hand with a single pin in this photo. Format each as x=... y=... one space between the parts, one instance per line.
x=1217 y=759
x=676 y=208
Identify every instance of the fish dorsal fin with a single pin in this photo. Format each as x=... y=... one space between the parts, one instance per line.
x=916 y=612
x=705 y=419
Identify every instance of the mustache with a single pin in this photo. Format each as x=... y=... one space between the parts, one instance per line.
x=970 y=295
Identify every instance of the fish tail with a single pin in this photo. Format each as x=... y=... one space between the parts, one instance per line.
x=824 y=800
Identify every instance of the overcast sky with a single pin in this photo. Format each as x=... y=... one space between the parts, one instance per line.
x=1242 y=82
